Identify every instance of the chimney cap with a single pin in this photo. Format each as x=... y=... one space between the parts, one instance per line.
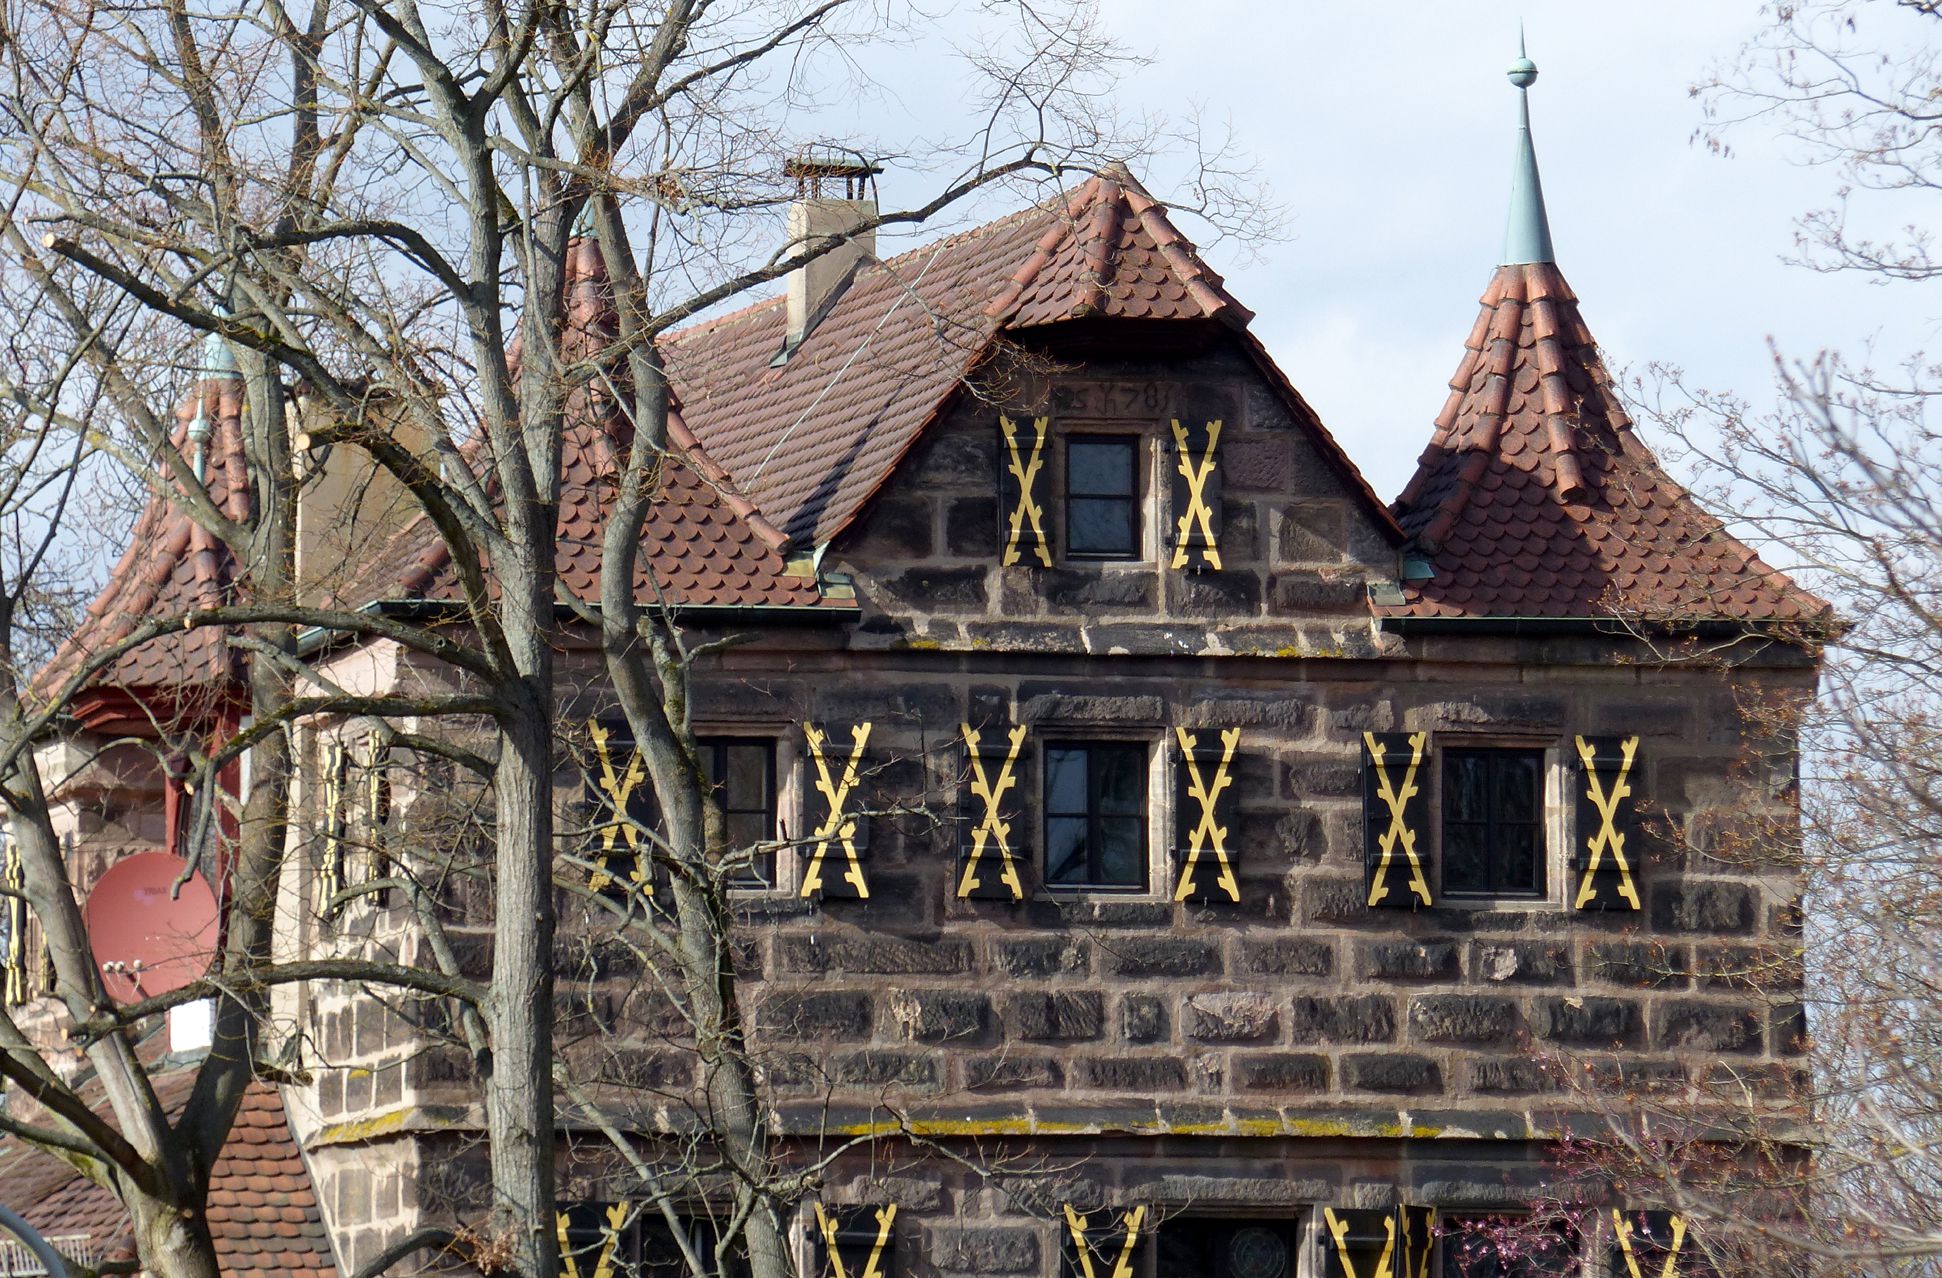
x=810 y=171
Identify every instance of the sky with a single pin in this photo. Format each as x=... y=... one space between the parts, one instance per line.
x=1386 y=131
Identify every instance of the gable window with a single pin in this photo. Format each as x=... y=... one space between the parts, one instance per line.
x=1493 y=822
x=1102 y=506
x=1095 y=815
x=742 y=771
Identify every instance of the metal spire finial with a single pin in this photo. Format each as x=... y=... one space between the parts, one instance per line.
x=1527 y=236
x=217 y=359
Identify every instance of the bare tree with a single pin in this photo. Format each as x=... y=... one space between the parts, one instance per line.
x=374 y=204
x=1836 y=1167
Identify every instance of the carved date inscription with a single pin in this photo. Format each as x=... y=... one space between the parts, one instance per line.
x=1113 y=399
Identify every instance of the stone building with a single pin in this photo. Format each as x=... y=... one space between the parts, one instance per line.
x=1242 y=851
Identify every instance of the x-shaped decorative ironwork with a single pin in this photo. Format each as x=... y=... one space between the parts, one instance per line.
x=1026 y=472
x=330 y=866
x=992 y=829
x=617 y=786
x=16 y=964
x=603 y=1265
x=838 y=826
x=1207 y=835
x=377 y=817
x=1395 y=798
x=1129 y=1239
x=1195 y=471
x=1338 y=1230
x=1608 y=837
x=1622 y=1229
x=826 y=1226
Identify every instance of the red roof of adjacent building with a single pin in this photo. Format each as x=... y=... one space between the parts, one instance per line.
x=1537 y=499
x=263 y=1213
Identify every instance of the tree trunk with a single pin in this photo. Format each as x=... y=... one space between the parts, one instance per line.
x=519 y=1086
x=172 y=1243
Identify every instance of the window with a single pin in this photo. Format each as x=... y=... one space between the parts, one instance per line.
x=1190 y=1247
x=636 y=1241
x=1493 y=822
x=742 y=770
x=1095 y=815
x=1507 y=1247
x=1102 y=508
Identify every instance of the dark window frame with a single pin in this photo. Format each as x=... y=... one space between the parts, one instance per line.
x=1495 y=888
x=716 y=748
x=1133 y=498
x=1095 y=817
x=644 y=1246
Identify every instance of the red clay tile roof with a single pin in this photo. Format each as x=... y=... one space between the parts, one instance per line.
x=811 y=440
x=171 y=567
x=1536 y=498
x=773 y=457
x=706 y=545
x=263 y=1210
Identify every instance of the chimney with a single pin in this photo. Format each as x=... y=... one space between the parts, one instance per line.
x=348 y=507
x=819 y=211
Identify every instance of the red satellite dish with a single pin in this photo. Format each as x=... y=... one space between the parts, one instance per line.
x=148 y=938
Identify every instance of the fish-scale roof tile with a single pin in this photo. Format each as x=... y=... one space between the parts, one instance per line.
x=263 y=1212
x=170 y=568
x=1547 y=504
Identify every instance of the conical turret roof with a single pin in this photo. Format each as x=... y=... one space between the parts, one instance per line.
x=1536 y=498
x=173 y=566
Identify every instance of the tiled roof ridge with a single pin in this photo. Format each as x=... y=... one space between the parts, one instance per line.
x=1554 y=313
x=1110 y=197
x=716 y=476
x=1063 y=227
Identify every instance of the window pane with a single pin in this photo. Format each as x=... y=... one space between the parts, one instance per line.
x=1517 y=791
x=1465 y=778
x=1121 y=779
x=1065 y=850
x=1100 y=468
x=1520 y=868
x=745 y=769
x=1465 y=868
x=1065 y=782
x=1122 y=859
x=1100 y=526
x=746 y=829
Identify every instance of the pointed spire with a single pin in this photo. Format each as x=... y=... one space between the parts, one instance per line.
x=1527 y=236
